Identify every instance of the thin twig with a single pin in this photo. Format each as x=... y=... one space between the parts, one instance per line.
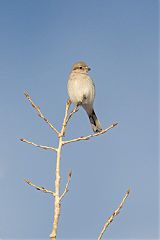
x=67 y=186
x=64 y=125
x=39 y=188
x=39 y=112
x=115 y=213
x=38 y=145
x=91 y=135
x=71 y=113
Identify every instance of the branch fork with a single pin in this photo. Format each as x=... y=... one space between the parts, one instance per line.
x=67 y=185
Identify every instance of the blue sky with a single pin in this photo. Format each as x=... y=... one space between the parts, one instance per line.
x=40 y=40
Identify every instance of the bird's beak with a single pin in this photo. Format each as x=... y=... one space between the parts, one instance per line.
x=89 y=68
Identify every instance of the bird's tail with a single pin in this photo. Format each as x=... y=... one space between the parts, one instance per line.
x=96 y=126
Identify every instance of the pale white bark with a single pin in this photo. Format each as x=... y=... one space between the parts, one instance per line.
x=38 y=145
x=114 y=214
x=57 y=196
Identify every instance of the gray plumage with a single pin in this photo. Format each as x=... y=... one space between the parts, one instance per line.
x=81 y=91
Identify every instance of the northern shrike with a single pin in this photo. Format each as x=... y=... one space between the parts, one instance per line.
x=81 y=91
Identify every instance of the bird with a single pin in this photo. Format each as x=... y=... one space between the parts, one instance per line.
x=81 y=91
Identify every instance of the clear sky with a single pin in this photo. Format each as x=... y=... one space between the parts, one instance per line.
x=39 y=42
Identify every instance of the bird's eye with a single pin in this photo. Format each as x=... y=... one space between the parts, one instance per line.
x=80 y=67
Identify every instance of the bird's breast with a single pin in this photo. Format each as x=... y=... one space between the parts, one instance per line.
x=80 y=87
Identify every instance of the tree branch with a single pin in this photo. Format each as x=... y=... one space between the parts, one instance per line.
x=67 y=185
x=91 y=135
x=37 y=145
x=64 y=125
x=57 y=205
x=71 y=113
x=57 y=196
x=39 y=113
x=39 y=188
x=115 y=213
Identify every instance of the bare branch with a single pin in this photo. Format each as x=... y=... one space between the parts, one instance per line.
x=62 y=133
x=67 y=185
x=71 y=113
x=115 y=213
x=39 y=188
x=91 y=135
x=37 y=145
x=39 y=113
x=58 y=150
x=57 y=205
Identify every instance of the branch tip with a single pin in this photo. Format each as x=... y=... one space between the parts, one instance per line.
x=39 y=188
x=26 y=94
x=39 y=113
x=70 y=174
x=129 y=190
x=114 y=214
x=115 y=124
x=38 y=145
x=27 y=181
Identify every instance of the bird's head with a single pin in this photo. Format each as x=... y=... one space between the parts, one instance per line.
x=80 y=67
